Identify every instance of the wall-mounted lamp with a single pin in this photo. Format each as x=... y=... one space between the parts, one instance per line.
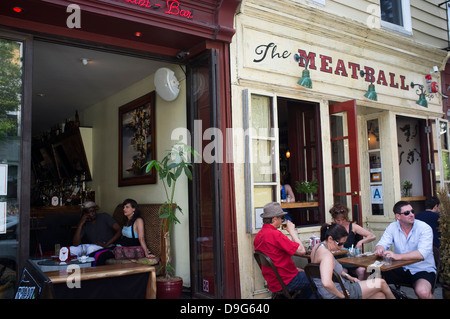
x=305 y=80
x=422 y=100
x=370 y=94
x=288 y=153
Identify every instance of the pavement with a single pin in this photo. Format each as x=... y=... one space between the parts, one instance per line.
x=410 y=292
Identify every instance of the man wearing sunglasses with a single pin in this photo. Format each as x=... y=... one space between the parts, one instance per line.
x=280 y=249
x=413 y=239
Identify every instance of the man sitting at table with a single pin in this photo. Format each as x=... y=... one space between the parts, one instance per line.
x=280 y=249
x=413 y=239
x=97 y=232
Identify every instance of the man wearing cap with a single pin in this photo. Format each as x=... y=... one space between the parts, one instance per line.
x=280 y=249
x=96 y=228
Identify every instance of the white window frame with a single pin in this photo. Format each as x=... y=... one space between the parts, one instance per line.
x=407 y=24
x=442 y=152
x=252 y=213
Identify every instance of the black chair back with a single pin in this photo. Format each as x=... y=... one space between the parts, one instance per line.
x=313 y=271
x=264 y=260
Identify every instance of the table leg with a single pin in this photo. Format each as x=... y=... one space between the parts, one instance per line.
x=151 y=285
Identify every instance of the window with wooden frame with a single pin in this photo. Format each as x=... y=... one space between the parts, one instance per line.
x=261 y=154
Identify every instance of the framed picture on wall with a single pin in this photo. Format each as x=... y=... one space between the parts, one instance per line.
x=137 y=141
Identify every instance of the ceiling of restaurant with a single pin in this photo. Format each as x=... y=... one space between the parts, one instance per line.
x=62 y=84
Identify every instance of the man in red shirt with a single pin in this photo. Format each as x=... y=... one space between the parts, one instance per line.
x=280 y=249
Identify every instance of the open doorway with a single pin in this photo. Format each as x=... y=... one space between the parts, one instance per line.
x=301 y=158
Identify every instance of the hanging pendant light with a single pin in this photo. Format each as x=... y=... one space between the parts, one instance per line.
x=305 y=80
x=370 y=94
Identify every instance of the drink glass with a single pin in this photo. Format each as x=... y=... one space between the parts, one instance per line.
x=387 y=260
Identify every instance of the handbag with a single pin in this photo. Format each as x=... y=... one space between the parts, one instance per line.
x=130 y=252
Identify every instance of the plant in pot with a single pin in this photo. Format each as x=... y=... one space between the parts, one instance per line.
x=174 y=164
x=444 y=228
x=407 y=186
x=308 y=188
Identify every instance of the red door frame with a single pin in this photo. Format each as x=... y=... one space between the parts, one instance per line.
x=349 y=107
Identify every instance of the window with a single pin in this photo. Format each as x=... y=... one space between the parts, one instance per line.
x=375 y=167
x=261 y=152
x=396 y=15
x=442 y=154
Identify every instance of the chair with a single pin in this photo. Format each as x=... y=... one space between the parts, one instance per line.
x=264 y=260
x=313 y=271
x=437 y=262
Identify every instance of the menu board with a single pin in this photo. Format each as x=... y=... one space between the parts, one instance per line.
x=33 y=283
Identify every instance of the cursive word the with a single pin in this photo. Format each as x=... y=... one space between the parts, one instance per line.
x=263 y=49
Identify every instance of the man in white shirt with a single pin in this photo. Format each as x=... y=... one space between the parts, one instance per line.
x=413 y=239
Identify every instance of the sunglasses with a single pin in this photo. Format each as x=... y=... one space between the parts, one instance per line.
x=338 y=243
x=406 y=213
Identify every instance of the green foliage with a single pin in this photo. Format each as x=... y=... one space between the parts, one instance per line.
x=407 y=185
x=307 y=187
x=11 y=86
x=170 y=169
x=444 y=228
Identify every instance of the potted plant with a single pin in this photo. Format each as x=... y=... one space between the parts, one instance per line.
x=170 y=169
x=308 y=188
x=407 y=186
x=444 y=228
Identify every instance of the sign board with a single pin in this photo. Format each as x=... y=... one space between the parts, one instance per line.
x=33 y=283
x=2 y=217
x=376 y=194
x=3 y=179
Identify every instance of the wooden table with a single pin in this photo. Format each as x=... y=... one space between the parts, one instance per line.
x=366 y=261
x=299 y=205
x=98 y=272
x=336 y=253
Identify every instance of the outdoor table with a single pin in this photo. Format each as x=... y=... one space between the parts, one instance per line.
x=336 y=253
x=367 y=260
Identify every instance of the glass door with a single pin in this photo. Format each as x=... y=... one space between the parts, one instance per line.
x=13 y=214
x=205 y=229
x=345 y=156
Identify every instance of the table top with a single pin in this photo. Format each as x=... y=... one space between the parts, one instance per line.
x=299 y=205
x=102 y=272
x=366 y=261
x=56 y=262
x=336 y=253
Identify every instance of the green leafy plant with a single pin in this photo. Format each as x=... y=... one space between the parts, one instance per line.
x=444 y=228
x=174 y=164
x=306 y=187
x=407 y=185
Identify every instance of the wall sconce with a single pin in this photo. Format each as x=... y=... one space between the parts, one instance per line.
x=288 y=154
x=305 y=80
x=422 y=100
x=370 y=94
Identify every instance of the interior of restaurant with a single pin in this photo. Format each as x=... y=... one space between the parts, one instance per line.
x=299 y=136
x=76 y=93
x=68 y=80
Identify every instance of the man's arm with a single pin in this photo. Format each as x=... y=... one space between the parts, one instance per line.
x=290 y=227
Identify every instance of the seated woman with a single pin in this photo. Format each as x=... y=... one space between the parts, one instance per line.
x=333 y=237
x=357 y=235
x=133 y=227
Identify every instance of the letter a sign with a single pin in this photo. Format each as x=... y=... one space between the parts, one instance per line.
x=376 y=194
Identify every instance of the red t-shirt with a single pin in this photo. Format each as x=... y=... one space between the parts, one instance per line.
x=280 y=249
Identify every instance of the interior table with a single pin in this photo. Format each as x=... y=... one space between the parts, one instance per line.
x=109 y=281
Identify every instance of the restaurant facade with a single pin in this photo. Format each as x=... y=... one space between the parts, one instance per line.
x=335 y=94
x=46 y=44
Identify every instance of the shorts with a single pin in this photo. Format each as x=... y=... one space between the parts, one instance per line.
x=400 y=275
x=354 y=289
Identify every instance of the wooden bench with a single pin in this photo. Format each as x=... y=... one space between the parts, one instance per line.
x=154 y=235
